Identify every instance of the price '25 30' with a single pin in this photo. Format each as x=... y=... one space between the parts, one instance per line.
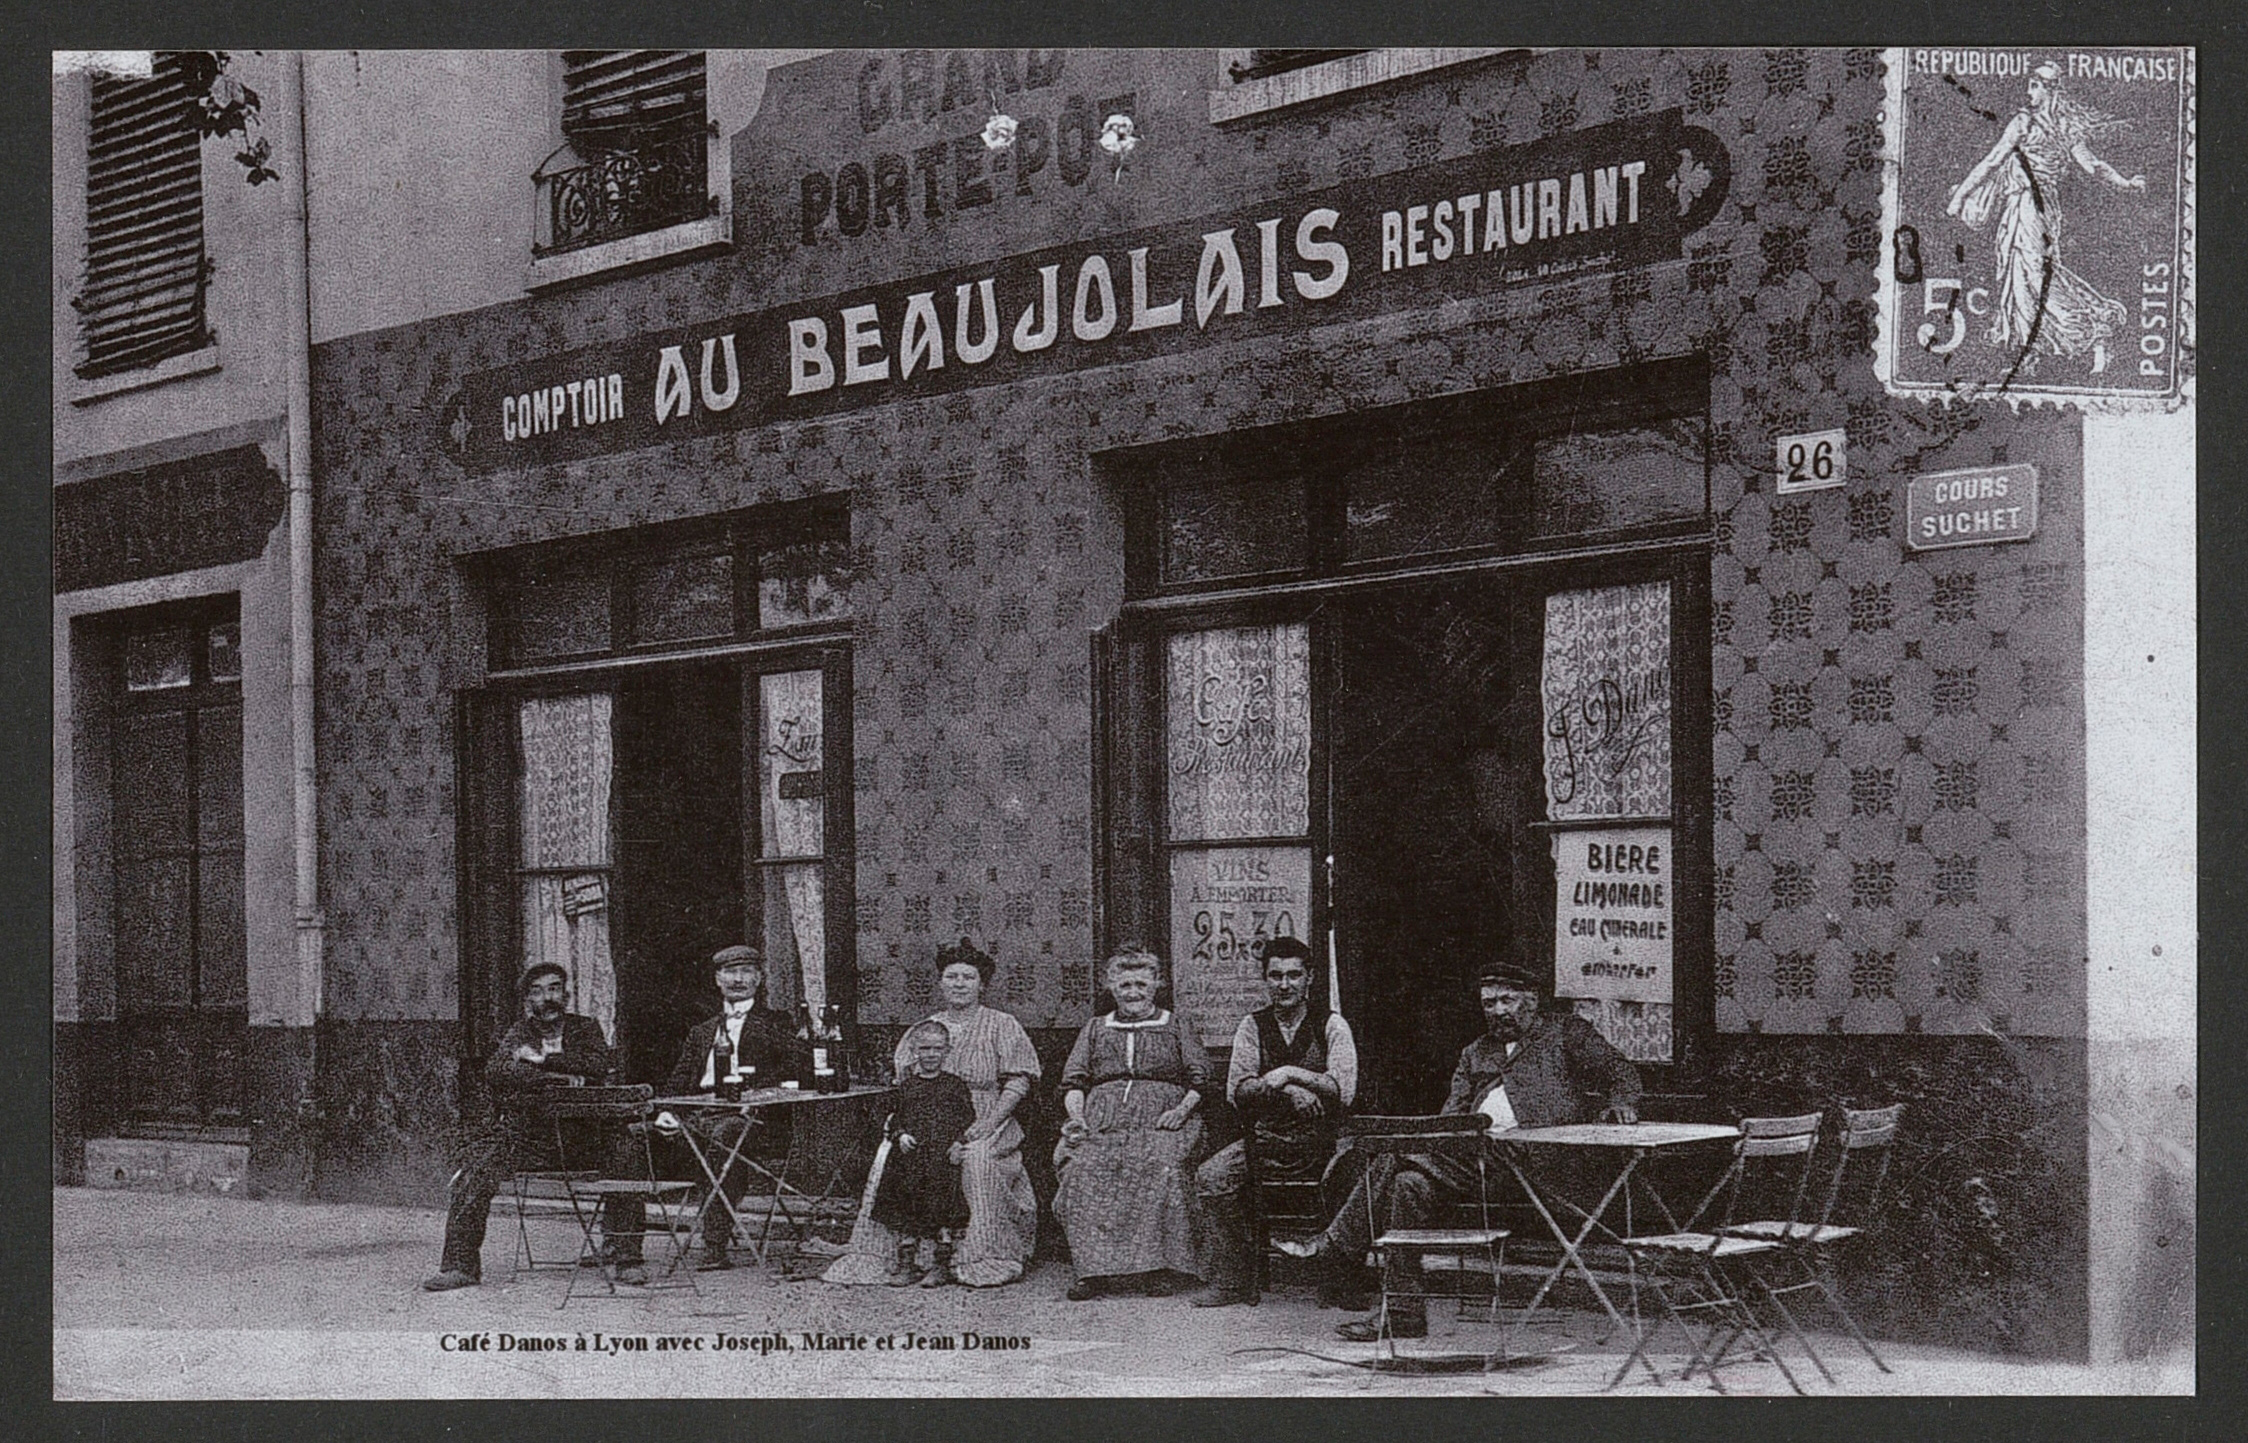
x=1218 y=937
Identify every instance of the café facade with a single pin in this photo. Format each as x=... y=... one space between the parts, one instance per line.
x=1437 y=504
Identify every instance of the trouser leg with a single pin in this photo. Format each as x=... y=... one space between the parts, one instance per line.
x=485 y=1169
x=1221 y=1189
x=624 y=1217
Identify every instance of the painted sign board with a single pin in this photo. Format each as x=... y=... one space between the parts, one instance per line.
x=1612 y=913
x=1971 y=508
x=1625 y=193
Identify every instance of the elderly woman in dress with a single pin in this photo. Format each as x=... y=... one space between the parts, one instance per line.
x=1131 y=1086
x=992 y=1054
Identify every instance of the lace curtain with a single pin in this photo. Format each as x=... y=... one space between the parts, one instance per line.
x=567 y=768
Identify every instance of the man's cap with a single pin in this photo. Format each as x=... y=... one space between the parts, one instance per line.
x=1501 y=974
x=539 y=969
x=740 y=954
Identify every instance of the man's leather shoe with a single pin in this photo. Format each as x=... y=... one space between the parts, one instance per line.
x=1084 y=1290
x=448 y=1280
x=1215 y=1296
x=633 y=1274
x=1368 y=1330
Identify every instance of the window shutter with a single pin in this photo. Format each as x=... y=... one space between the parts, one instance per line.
x=1261 y=63
x=610 y=94
x=144 y=284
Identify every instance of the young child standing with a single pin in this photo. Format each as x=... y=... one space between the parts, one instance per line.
x=920 y=1196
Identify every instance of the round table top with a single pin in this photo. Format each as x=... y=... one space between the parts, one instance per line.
x=1621 y=1134
x=768 y=1097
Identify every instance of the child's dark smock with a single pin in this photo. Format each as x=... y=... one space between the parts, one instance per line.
x=920 y=1193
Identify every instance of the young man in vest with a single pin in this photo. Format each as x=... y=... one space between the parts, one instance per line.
x=1294 y=1074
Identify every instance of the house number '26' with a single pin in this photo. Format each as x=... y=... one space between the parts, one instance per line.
x=1812 y=461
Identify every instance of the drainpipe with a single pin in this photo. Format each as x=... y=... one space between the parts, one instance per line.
x=311 y=924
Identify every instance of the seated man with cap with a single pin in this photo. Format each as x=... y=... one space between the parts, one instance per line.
x=1531 y=1067
x=744 y=1044
x=549 y=1047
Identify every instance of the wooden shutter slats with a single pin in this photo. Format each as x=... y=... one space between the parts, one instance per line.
x=142 y=298
x=625 y=89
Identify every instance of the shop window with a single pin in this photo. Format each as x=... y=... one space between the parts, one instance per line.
x=146 y=272
x=1619 y=478
x=561 y=613
x=1237 y=742
x=1426 y=494
x=682 y=598
x=635 y=152
x=1601 y=459
x=1605 y=686
x=568 y=750
x=1218 y=530
x=792 y=831
x=734 y=579
x=804 y=584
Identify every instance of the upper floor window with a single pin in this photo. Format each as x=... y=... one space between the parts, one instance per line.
x=775 y=572
x=1257 y=82
x=146 y=270
x=635 y=151
x=1257 y=64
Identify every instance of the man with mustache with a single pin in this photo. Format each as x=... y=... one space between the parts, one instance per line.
x=1530 y=1068
x=549 y=1047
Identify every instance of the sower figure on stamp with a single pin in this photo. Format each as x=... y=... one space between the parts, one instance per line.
x=746 y=1044
x=1294 y=1074
x=548 y=1047
x=920 y=1197
x=1531 y=1068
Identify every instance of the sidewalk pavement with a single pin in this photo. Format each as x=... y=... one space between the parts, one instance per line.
x=165 y=1296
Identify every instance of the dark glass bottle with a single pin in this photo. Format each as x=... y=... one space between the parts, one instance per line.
x=722 y=1079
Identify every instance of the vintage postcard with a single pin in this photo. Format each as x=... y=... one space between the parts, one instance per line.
x=1170 y=722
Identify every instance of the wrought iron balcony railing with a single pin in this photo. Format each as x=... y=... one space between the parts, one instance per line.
x=646 y=185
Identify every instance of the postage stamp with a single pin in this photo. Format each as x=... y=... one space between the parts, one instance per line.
x=2038 y=226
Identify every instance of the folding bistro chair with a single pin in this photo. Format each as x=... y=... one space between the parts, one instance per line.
x=1690 y=1272
x=543 y=1184
x=1850 y=1207
x=1280 y=1206
x=626 y=1107
x=1464 y=1137
x=546 y=1185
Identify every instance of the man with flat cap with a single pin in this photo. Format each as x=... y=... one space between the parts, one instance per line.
x=1531 y=1067
x=747 y=1044
x=549 y=1047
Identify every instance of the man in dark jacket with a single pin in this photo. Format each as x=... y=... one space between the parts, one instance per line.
x=1530 y=1068
x=744 y=1043
x=550 y=1047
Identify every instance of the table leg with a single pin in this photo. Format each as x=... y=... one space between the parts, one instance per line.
x=714 y=1177
x=1570 y=1247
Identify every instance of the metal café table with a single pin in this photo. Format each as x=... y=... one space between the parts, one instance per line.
x=1526 y=1148
x=756 y=1100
